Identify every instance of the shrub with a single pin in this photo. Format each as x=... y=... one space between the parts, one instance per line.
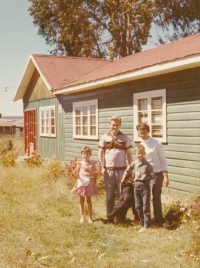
x=193 y=211
x=173 y=216
x=54 y=170
x=8 y=160
x=34 y=160
x=6 y=146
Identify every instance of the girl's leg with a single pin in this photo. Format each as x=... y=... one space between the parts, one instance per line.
x=81 y=205
x=89 y=203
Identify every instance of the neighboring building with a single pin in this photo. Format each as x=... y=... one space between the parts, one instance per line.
x=11 y=125
x=68 y=102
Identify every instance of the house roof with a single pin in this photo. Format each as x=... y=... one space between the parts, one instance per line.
x=64 y=74
x=178 y=55
x=57 y=70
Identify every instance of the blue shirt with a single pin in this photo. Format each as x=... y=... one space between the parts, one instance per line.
x=142 y=170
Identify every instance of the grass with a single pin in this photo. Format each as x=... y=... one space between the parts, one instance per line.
x=39 y=227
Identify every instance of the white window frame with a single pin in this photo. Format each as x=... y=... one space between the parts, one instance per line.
x=81 y=104
x=149 y=95
x=47 y=128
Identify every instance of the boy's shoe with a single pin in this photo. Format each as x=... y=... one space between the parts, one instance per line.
x=90 y=220
x=143 y=229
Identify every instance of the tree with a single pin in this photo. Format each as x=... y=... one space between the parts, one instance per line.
x=111 y=28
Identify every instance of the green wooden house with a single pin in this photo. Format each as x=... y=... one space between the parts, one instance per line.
x=68 y=102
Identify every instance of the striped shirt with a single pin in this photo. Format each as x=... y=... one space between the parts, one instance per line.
x=115 y=150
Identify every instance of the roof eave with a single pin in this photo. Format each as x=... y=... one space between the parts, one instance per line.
x=30 y=68
x=162 y=68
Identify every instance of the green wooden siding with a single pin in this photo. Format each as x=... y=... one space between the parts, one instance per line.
x=183 y=122
x=49 y=146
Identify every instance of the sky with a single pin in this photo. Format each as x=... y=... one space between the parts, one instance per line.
x=18 y=39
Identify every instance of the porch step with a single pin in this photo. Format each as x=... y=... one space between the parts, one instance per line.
x=22 y=158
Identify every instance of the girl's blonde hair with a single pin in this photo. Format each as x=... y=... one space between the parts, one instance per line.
x=86 y=149
x=138 y=147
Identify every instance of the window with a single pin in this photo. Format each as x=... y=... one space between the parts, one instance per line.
x=150 y=108
x=47 y=121
x=85 y=119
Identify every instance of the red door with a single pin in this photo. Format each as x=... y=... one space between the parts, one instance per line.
x=30 y=131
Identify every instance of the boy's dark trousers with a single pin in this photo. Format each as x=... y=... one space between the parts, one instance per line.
x=134 y=211
x=124 y=203
x=142 y=201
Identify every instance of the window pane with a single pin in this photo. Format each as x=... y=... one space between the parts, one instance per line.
x=156 y=103
x=142 y=104
x=143 y=117
x=78 y=121
x=78 y=131
x=43 y=122
x=156 y=117
x=85 y=131
x=93 y=120
x=47 y=130
x=42 y=130
x=52 y=130
x=85 y=120
x=85 y=110
x=52 y=113
x=92 y=109
x=93 y=131
x=78 y=110
x=157 y=131
x=47 y=113
x=47 y=121
x=42 y=114
x=52 y=121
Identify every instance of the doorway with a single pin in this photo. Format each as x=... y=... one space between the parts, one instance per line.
x=30 y=131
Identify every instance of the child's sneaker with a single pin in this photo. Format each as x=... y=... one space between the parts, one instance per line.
x=143 y=229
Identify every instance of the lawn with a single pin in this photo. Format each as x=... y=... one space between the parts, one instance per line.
x=39 y=227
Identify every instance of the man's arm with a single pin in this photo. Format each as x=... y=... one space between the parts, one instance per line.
x=129 y=155
x=101 y=160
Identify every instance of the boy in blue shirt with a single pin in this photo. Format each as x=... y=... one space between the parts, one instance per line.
x=143 y=172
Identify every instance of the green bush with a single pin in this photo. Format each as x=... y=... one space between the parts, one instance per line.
x=8 y=160
x=54 y=170
x=34 y=161
x=173 y=216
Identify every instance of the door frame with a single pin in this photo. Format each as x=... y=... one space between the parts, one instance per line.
x=30 y=131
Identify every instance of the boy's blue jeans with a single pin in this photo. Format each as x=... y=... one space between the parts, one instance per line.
x=112 y=182
x=142 y=194
x=156 y=186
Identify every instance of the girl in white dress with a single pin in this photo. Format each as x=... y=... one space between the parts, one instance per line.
x=85 y=185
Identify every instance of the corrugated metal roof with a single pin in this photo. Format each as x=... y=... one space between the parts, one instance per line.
x=57 y=70
x=166 y=53
x=60 y=70
x=63 y=72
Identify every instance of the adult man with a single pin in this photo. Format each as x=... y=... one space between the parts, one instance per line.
x=114 y=147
